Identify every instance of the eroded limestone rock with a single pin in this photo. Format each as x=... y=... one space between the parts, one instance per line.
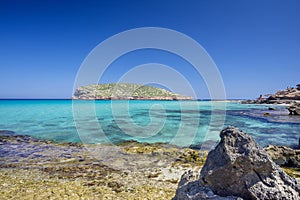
x=238 y=167
x=284 y=156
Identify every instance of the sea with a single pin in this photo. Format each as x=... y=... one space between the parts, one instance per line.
x=181 y=123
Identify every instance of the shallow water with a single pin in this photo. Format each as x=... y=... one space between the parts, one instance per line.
x=177 y=122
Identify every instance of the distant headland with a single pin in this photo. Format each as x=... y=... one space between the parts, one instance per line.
x=290 y=96
x=287 y=96
x=125 y=91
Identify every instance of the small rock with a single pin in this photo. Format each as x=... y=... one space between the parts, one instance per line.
x=67 y=160
x=294 y=109
x=67 y=155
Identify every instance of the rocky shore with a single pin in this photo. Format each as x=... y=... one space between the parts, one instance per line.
x=35 y=169
x=287 y=96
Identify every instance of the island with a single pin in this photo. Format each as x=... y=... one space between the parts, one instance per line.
x=125 y=91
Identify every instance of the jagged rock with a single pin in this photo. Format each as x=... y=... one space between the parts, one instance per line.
x=294 y=109
x=284 y=156
x=190 y=188
x=239 y=167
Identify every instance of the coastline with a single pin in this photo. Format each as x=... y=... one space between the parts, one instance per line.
x=127 y=170
x=131 y=170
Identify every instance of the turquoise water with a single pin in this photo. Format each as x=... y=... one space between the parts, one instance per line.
x=178 y=122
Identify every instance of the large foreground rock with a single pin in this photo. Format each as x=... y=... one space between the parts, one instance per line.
x=238 y=169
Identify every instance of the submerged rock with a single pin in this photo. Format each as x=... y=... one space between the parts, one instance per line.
x=6 y=133
x=238 y=169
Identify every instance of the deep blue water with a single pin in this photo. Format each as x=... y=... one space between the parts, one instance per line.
x=177 y=122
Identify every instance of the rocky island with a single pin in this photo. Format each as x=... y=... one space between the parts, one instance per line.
x=125 y=91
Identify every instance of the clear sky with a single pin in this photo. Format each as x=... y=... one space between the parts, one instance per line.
x=254 y=43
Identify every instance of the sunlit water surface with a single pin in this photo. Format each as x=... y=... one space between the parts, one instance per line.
x=177 y=122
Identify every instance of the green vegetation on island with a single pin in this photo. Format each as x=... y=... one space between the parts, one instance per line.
x=126 y=91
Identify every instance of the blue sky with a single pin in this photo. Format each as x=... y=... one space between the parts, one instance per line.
x=255 y=44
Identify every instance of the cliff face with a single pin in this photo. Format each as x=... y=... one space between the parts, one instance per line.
x=125 y=91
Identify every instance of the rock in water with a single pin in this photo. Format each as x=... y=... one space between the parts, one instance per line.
x=294 y=109
x=238 y=167
x=6 y=133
